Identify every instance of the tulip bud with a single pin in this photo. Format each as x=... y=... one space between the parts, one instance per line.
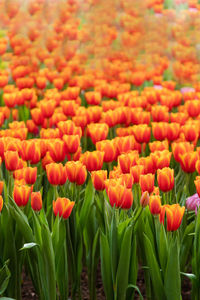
x=144 y=200
x=36 y=201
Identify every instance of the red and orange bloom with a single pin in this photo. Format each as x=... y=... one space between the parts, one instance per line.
x=127 y=180
x=47 y=108
x=108 y=147
x=159 y=146
x=126 y=161
x=11 y=160
x=56 y=149
x=197 y=166
x=63 y=207
x=155 y=204
x=1 y=203
x=98 y=179
x=142 y=133
x=36 y=201
x=161 y=159
x=165 y=179
x=191 y=132
x=173 y=131
x=188 y=161
x=21 y=194
x=56 y=173
x=159 y=130
x=92 y=160
x=136 y=171
x=97 y=132
x=174 y=214
x=125 y=144
x=30 y=175
x=93 y=97
x=148 y=164
x=76 y=172
x=1 y=187
x=147 y=182
x=28 y=149
x=119 y=195
x=144 y=200
x=72 y=143
x=180 y=148
x=197 y=184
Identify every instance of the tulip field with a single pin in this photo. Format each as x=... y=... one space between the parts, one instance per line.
x=100 y=149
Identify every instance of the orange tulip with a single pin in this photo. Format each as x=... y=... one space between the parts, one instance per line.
x=11 y=160
x=93 y=98
x=69 y=108
x=144 y=200
x=56 y=149
x=21 y=194
x=1 y=203
x=136 y=171
x=108 y=147
x=180 y=148
x=36 y=201
x=159 y=130
x=56 y=173
x=188 y=161
x=147 y=182
x=173 y=131
x=98 y=179
x=92 y=160
x=161 y=159
x=191 y=132
x=72 y=143
x=120 y=196
x=76 y=172
x=97 y=132
x=63 y=207
x=1 y=187
x=30 y=175
x=174 y=214
x=126 y=161
x=155 y=204
x=125 y=144
x=142 y=133
x=159 y=146
x=197 y=166
x=197 y=184
x=47 y=108
x=28 y=150
x=165 y=179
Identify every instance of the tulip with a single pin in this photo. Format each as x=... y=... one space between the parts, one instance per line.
x=144 y=200
x=193 y=202
x=63 y=207
x=76 y=172
x=126 y=161
x=92 y=160
x=159 y=146
x=147 y=182
x=136 y=171
x=108 y=147
x=180 y=148
x=165 y=179
x=11 y=160
x=56 y=173
x=21 y=194
x=197 y=184
x=98 y=132
x=155 y=204
x=159 y=130
x=93 y=98
x=188 y=161
x=30 y=175
x=36 y=201
x=142 y=133
x=161 y=159
x=98 y=179
x=72 y=143
x=174 y=214
x=56 y=149
x=1 y=187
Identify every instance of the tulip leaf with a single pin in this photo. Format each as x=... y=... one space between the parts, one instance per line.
x=135 y=287
x=87 y=204
x=4 y=278
x=188 y=275
x=113 y=247
x=28 y=246
x=124 y=263
x=106 y=267
x=154 y=269
x=133 y=268
x=163 y=248
x=172 y=273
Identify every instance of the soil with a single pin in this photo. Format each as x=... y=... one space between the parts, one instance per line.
x=28 y=292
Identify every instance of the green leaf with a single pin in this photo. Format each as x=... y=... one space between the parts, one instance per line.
x=28 y=246
x=106 y=266
x=123 y=266
x=4 y=278
x=188 y=275
x=133 y=268
x=172 y=274
x=163 y=248
x=87 y=204
x=154 y=269
x=113 y=247
x=135 y=287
